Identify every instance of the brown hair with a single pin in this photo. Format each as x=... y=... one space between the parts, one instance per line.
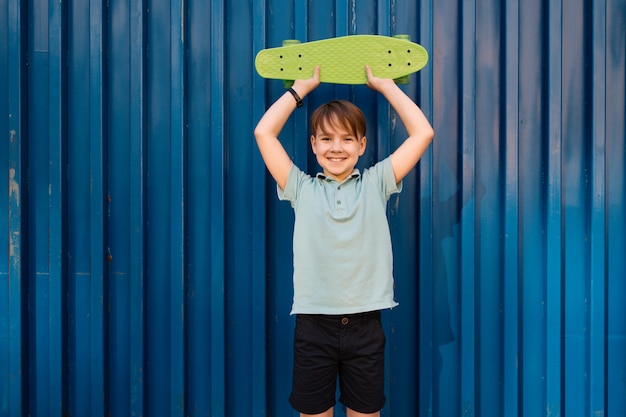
x=339 y=113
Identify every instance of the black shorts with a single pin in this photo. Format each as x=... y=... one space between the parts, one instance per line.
x=351 y=347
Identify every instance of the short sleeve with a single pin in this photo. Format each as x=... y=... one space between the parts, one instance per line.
x=382 y=174
x=294 y=182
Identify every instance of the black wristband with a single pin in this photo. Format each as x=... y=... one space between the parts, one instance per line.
x=295 y=95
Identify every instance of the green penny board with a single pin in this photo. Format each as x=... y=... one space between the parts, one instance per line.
x=342 y=60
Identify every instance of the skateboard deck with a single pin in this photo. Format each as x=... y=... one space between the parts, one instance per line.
x=342 y=60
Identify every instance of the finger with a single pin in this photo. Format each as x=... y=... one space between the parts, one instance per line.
x=316 y=72
x=370 y=76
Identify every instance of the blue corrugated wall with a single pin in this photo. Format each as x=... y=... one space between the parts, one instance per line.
x=146 y=261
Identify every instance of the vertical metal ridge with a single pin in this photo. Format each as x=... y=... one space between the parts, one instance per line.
x=511 y=250
x=427 y=393
x=218 y=221
x=163 y=217
x=575 y=204
x=470 y=284
x=259 y=220
x=554 y=212
x=97 y=160
x=78 y=206
x=616 y=204
x=596 y=84
x=300 y=122
x=383 y=109
x=178 y=187
x=13 y=264
x=50 y=327
x=137 y=136
x=342 y=23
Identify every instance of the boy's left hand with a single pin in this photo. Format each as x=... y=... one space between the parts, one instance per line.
x=375 y=83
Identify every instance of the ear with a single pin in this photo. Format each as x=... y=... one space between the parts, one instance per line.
x=363 y=145
x=313 y=144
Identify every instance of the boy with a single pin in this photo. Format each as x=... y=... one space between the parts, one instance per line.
x=341 y=245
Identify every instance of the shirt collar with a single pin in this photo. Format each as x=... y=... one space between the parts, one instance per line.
x=355 y=174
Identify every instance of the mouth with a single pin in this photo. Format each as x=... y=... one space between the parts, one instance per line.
x=336 y=159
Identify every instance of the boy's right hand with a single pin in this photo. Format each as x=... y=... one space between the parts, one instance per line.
x=276 y=159
x=304 y=87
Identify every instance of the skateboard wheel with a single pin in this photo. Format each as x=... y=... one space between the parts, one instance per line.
x=406 y=78
x=287 y=42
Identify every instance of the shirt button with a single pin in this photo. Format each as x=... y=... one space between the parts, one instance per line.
x=344 y=321
x=338 y=201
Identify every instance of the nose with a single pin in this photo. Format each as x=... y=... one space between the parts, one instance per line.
x=336 y=145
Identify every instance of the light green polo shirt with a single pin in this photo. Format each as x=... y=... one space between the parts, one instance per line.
x=343 y=262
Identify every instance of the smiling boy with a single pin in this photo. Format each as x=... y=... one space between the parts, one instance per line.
x=343 y=263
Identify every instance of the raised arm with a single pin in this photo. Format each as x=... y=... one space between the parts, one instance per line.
x=276 y=159
x=417 y=125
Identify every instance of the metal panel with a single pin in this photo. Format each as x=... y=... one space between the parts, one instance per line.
x=147 y=261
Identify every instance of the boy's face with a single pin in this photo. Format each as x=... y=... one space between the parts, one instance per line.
x=337 y=150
